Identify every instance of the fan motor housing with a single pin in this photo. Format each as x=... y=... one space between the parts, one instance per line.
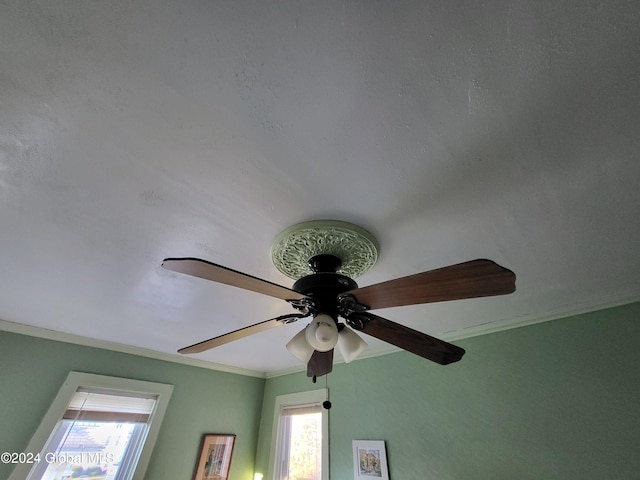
x=324 y=286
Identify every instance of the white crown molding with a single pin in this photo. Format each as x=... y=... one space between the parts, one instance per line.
x=526 y=320
x=488 y=328
x=118 y=347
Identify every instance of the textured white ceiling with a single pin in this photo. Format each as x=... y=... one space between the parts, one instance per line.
x=135 y=131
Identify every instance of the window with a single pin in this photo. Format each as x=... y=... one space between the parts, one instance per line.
x=98 y=427
x=300 y=447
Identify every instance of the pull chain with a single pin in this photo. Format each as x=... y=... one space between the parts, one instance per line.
x=326 y=404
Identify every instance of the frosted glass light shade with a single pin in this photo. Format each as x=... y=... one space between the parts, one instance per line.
x=322 y=333
x=350 y=344
x=299 y=347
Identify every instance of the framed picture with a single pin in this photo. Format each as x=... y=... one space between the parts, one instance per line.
x=215 y=456
x=370 y=460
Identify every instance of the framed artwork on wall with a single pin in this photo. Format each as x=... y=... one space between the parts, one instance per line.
x=370 y=460
x=215 y=456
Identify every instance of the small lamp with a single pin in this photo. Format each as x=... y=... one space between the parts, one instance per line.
x=299 y=347
x=322 y=333
x=350 y=344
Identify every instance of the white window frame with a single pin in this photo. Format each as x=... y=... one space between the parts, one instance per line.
x=57 y=409
x=290 y=400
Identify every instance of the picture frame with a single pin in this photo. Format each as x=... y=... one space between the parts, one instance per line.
x=370 y=460
x=214 y=460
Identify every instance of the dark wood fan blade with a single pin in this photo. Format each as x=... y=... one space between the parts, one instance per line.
x=216 y=273
x=240 y=333
x=477 y=278
x=406 y=338
x=320 y=363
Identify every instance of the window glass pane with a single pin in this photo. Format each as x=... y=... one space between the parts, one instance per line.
x=97 y=437
x=300 y=437
x=305 y=447
x=88 y=450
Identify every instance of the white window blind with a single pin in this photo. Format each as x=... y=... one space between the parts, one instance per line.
x=103 y=407
x=301 y=409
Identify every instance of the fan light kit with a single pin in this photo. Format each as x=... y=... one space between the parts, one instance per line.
x=323 y=257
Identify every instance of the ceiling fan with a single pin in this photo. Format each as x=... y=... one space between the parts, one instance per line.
x=334 y=253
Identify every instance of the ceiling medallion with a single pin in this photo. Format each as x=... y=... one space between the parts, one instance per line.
x=293 y=247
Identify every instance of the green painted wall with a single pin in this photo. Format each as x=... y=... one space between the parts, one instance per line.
x=203 y=401
x=556 y=400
